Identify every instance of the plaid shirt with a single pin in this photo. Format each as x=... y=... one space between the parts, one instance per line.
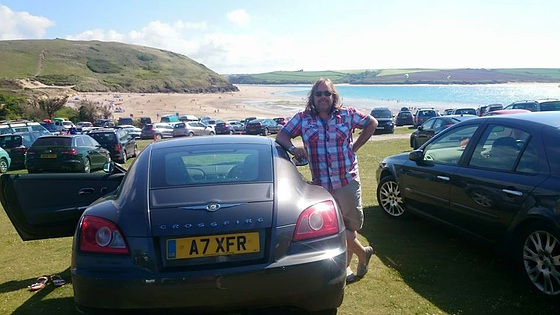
x=332 y=161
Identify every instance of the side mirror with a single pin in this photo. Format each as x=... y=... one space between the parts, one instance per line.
x=420 y=128
x=300 y=162
x=109 y=167
x=416 y=155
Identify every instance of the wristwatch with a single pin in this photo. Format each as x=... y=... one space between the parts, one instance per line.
x=290 y=149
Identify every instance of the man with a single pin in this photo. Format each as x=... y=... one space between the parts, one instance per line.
x=326 y=130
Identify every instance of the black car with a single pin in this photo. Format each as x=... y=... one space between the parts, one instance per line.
x=494 y=178
x=17 y=144
x=68 y=153
x=120 y=144
x=404 y=118
x=433 y=126
x=223 y=128
x=262 y=126
x=384 y=117
x=202 y=223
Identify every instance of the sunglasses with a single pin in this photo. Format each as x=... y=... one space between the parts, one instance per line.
x=322 y=93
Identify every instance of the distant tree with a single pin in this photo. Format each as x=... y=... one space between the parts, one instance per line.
x=51 y=105
x=106 y=113
x=67 y=112
x=11 y=107
x=87 y=111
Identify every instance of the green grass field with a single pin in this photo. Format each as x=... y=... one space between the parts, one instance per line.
x=419 y=268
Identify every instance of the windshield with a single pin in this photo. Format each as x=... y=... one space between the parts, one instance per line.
x=382 y=113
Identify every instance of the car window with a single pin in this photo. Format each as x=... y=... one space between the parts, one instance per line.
x=550 y=106
x=80 y=142
x=104 y=138
x=428 y=124
x=10 y=141
x=438 y=124
x=211 y=164
x=53 y=142
x=499 y=148
x=449 y=148
x=529 y=162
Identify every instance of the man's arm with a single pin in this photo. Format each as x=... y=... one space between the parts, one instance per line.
x=367 y=132
x=285 y=141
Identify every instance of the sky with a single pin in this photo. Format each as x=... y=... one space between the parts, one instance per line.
x=234 y=37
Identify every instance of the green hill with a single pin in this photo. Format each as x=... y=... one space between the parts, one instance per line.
x=404 y=76
x=106 y=66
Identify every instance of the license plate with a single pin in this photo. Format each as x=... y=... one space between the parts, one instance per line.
x=378 y=127
x=48 y=156
x=213 y=245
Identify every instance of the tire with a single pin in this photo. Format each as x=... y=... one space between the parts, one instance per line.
x=191 y=134
x=124 y=156
x=534 y=252
x=159 y=137
x=3 y=165
x=390 y=198
x=265 y=132
x=135 y=153
x=212 y=133
x=230 y=132
x=87 y=166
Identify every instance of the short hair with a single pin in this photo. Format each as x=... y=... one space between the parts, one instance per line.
x=310 y=107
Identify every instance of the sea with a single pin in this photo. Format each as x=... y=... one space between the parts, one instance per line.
x=431 y=96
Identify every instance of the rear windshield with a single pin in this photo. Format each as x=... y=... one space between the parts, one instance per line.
x=211 y=164
x=427 y=113
x=104 y=138
x=382 y=113
x=53 y=142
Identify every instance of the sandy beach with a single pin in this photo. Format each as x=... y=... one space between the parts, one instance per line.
x=258 y=101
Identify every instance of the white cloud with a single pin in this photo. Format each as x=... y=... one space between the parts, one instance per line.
x=238 y=17
x=19 y=25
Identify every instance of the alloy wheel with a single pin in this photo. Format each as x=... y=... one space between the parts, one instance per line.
x=390 y=198
x=3 y=166
x=87 y=166
x=541 y=261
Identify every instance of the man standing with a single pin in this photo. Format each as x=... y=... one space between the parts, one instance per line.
x=326 y=130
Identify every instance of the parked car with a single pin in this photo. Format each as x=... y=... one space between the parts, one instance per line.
x=104 y=122
x=188 y=118
x=464 y=111
x=5 y=161
x=248 y=119
x=422 y=115
x=404 y=118
x=281 y=120
x=120 y=144
x=49 y=126
x=433 y=126
x=64 y=126
x=238 y=126
x=448 y=111
x=84 y=125
x=193 y=217
x=262 y=126
x=494 y=178
x=132 y=130
x=22 y=126
x=66 y=153
x=16 y=145
x=125 y=121
x=145 y=121
x=384 y=117
x=545 y=105
x=223 y=128
x=157 y=130
x=191 y=129
x=482 y=110
x=507 y=112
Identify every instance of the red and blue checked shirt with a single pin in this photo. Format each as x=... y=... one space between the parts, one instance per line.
x=329 y=143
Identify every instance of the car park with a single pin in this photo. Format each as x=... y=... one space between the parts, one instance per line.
x=404 y=118
x=17 y=144
x=543 y=105
x=262 y=126
x=120 y=144
x=422 y=115
x=496 y=179
x=192 y=217
x=157 y=131
x=5 y=161
x=433 y=126
x=65 y=153
x=384 y=118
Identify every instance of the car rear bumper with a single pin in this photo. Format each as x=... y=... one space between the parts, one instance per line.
x=55 y=166
x=309 y=285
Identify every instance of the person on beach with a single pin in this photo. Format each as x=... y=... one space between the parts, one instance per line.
x=326 y=130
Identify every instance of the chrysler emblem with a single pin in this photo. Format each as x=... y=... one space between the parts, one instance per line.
x=213 y=207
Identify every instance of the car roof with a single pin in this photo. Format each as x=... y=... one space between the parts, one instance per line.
x=213 y=140
x=551 y=119
x=103 y=130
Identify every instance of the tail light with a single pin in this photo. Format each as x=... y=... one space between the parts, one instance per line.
x=101 y=236
x=317 y=221
x=22 y=149
x=70 y=151
x=118 y=147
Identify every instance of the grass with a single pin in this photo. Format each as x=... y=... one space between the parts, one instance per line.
x=419 y=268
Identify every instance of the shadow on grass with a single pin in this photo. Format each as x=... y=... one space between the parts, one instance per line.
x=38 y=303
x=457 y=274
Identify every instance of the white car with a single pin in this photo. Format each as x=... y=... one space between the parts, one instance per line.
x=132 y=130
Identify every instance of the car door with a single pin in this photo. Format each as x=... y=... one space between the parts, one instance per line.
x=425 y=132
x=96 y=153
x=58 y=200
x=426 y=182
x=494 y=184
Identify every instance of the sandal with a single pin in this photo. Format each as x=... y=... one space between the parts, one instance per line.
x=57 y=280
x=41 y=283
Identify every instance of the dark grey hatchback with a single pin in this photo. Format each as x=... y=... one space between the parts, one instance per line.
x=495 y=178
x=201 y=223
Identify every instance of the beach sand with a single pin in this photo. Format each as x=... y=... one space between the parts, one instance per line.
x=258 y=101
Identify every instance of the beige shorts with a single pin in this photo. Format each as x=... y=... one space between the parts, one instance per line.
x=349 y=199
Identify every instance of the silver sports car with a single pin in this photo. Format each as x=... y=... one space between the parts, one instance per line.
x=204 y=223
